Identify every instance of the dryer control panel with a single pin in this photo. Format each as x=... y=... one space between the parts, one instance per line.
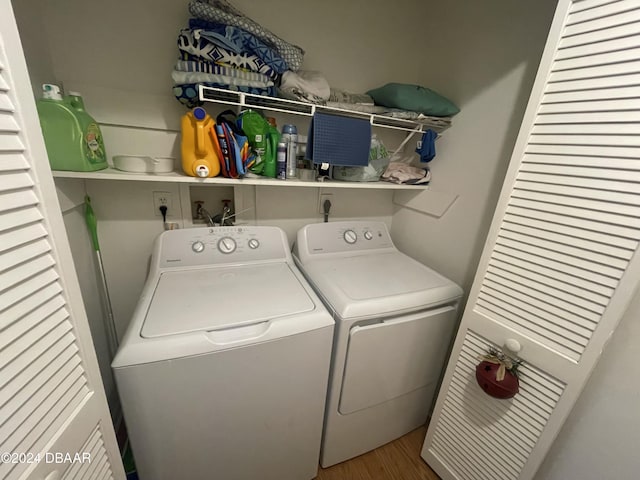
x=220 y=245
x=337 y=237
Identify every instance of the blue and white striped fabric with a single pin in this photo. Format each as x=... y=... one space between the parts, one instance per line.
x=187 y=94
x=217 y=69
x=180 y=78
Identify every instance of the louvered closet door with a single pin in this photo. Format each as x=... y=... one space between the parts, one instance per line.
x=51 y=397
x=560 y=263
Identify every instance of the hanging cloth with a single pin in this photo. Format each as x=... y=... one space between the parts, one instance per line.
x=427 y=147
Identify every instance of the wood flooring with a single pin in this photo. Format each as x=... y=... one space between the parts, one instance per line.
x=398 y=460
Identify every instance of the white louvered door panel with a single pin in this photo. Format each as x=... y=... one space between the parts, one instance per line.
x=100 y=469
x=560 y=263
x=503 y=434
x=51 y=397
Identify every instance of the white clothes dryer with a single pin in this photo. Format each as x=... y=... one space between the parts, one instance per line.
x=223 y=370
x=395 y=319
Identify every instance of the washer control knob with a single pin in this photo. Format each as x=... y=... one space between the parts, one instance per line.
x=197 y=246
x=253 y=243
x=227 y=245
x=350 y=237
x=368 y=235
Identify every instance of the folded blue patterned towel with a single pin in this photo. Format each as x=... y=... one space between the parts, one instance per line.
x=194 y=43
x=205 y=10
x=239 y=41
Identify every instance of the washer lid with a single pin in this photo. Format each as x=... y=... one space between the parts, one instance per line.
x=223 y=297
x=382 y=283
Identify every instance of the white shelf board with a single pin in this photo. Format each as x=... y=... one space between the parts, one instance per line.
x=113 y=174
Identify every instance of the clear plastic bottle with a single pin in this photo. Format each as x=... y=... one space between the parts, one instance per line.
x=290 y=137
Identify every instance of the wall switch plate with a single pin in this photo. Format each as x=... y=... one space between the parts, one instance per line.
x=321 y=200
x=162 y=199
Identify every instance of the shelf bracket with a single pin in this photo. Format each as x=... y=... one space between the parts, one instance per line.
x=406 y=140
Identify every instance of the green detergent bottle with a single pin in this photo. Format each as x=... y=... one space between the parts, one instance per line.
x=72 y=137
x=273 y=137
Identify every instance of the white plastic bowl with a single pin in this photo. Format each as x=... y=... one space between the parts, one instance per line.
x=143 y=164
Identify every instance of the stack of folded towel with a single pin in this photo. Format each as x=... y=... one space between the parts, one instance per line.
x=223 y=48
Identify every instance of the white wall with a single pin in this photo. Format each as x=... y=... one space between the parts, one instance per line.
x=293 y=208
x=30 y=19
x=71 y=196
x=484 y=56
x=601 y=436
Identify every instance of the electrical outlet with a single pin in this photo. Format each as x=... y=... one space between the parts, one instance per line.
x=321 y=200
x=161 y=199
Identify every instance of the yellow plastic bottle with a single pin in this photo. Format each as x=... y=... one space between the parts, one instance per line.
x=199 y=157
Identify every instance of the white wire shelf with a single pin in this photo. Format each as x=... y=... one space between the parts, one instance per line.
x=273 y=104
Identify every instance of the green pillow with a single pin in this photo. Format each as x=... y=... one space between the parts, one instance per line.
x=413 y=98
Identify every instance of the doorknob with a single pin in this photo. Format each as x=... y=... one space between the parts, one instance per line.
x=55 y=475
x=512 y=345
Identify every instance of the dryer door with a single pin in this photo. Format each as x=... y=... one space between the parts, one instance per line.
x=397 y=356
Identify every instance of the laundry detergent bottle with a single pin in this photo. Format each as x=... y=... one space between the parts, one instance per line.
x=199 y=153
x=72 y=137
x=273 y=137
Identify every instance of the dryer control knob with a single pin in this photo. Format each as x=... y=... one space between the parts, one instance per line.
x=253 y=243
x=368 y=235
x=227 y=245
x=350 y=237
x=197 y=246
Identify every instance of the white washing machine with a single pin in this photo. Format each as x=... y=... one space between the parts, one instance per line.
x=223 y=370
x=394 y=322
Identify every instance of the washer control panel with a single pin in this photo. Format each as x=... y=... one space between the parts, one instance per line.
x=335 y=237
x=220 y=245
